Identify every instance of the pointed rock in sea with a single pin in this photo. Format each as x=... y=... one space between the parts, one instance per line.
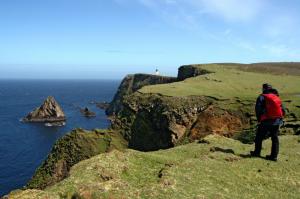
x=49 y=111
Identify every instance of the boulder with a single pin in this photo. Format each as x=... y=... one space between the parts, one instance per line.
x=49 y=112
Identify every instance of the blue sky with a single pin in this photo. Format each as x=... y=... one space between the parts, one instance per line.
x=110 y=38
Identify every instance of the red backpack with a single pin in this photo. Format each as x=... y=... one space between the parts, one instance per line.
x=273 y=107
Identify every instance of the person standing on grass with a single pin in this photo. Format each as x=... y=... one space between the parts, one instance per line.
x=269 y=112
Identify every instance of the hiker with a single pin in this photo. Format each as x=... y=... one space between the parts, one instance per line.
x=269 y=113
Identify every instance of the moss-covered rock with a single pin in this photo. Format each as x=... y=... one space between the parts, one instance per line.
x=72 y=148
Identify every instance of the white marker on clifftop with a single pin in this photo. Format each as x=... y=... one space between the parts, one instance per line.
x=156 y=72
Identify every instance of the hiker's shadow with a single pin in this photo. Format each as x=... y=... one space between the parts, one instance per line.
x=230 y=151
x=218 y=149
x=250 y=156
x=245 y=155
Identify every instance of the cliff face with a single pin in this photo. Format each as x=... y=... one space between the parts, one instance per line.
x=151 y=121
x=71 y=149
x=49 y=111
x=132 y=83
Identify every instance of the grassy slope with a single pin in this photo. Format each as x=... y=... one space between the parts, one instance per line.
x=188 y=171
x=72 y=148
x=229 y=82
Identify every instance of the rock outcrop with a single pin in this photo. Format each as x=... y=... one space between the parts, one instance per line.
x=87 y=113
x=102 y=105
x=132 y=83
x=50 y=111
x=188 y=71
x=71 y=149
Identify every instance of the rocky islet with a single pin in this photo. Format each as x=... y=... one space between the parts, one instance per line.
x=50 y=112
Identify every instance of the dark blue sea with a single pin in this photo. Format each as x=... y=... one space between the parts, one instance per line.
x=24 y=146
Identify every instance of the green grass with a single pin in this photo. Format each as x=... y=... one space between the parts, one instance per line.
x=227 y=82
x=72 y=148
x=188 y=171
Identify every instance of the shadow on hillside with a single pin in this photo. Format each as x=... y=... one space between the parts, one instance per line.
x=249 y=156
x=231 y=151
x=218 y=149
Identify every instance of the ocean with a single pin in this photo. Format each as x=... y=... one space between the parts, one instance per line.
x=24 y=146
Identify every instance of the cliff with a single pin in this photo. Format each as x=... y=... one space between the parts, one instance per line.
x=132 y=83
x=72 y=148
x=49 y=111
x=151 y=121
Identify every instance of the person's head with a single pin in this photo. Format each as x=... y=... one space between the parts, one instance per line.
x=266 y=87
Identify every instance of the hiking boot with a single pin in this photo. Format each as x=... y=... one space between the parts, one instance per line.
x=254 y=154
x=269 y=157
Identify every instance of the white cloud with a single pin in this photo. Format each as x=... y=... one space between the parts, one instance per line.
x=230 y=10
x=149 y=3
x=281 y=24
x=281 y=50
x=189 y=13
x=174 y=12
x=247 y=24
x=170 y=2
x=227 y=32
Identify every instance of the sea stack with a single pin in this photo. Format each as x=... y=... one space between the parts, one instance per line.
x=48 y=112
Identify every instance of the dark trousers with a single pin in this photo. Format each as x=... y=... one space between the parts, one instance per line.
x=265 y=131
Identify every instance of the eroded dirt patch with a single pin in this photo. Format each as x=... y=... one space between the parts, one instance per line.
x=217 y=121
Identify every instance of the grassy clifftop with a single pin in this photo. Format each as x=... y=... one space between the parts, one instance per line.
x=214 y=168
x=233 y=81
